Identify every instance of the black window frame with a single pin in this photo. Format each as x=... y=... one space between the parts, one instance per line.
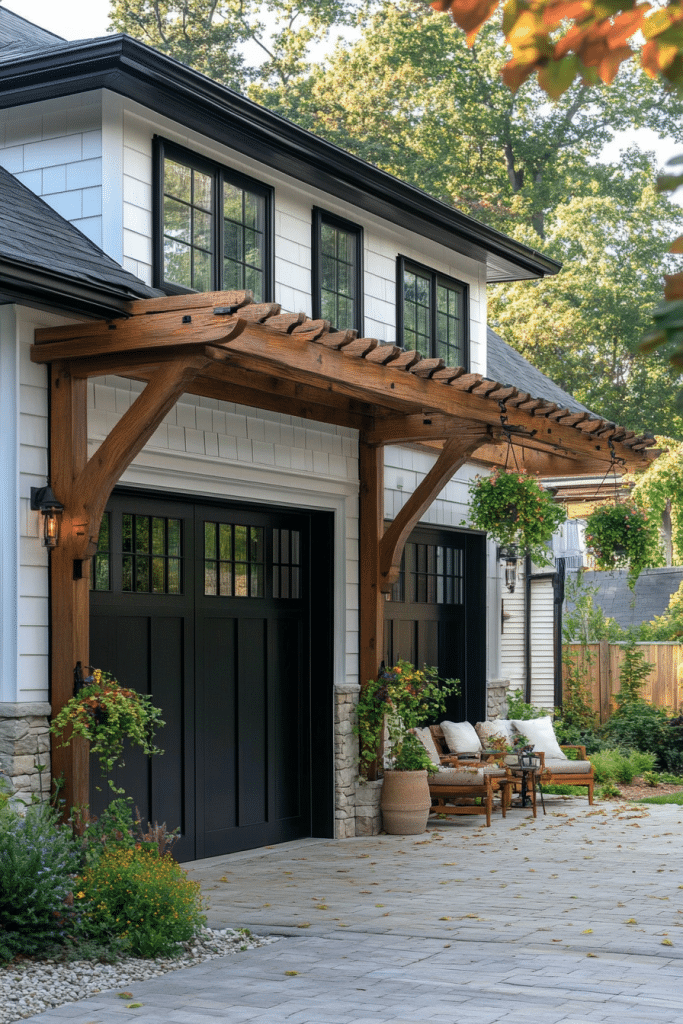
x=219 y=173
x=319 y=218
x=436 y=278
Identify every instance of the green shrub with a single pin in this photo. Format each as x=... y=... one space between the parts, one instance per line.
x=519 y=709
x=614 y=766
x=140 y=899
x=37 y=859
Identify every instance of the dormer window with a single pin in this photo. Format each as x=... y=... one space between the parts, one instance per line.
x=212 y=227
x=432 y=313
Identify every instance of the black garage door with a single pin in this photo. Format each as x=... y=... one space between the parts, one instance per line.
x=208 y=608
x=436 y=614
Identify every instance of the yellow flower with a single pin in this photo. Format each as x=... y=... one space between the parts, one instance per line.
x=80 y=895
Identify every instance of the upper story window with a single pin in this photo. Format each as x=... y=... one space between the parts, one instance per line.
x=337 y=271
x=212 y=229
x=432 y=313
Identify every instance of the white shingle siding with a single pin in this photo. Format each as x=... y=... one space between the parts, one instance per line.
x=55 y=148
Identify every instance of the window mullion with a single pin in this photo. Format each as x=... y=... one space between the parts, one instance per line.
x=217 y=231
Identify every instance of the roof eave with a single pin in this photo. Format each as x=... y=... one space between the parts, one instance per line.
x=128 y=67
x=31 y=286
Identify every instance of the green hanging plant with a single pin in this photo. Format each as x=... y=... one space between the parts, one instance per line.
x=108 y=715
x=623 y=536
x=515 y=509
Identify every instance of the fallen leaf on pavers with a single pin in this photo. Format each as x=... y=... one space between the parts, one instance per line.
x=380 y=904
x=557 y=940
x=595 y=955
x=454 y=864
x=343 y=925
x=125 y=995
x=587 y=931
x=361 y=855
x=304 y=924
x=631 y=920
x=133 y=1006
x=667 y=942
x=474 y=916
x=291 y=974
x=265 y=904
x=445 y=919
x=222 y=879
x=365 y=892
x=446 y=945
x=387 y=914
x=445 y=883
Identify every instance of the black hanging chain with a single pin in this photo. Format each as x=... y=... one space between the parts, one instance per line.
x=612 y=468
x=508 y=434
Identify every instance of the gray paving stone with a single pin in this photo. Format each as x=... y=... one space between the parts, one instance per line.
x=464 y=933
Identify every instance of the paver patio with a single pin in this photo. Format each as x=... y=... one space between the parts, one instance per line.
x=568 y=919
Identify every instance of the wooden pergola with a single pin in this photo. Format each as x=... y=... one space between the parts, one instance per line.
x=224 y=346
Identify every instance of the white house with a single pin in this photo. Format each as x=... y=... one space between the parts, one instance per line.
x=277 y=477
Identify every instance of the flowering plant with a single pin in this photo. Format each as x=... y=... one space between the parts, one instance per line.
x=515 y=509
x=623 y=536
x=404 y=697
x=107 y=714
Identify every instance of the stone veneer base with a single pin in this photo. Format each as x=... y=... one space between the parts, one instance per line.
x=25 y=749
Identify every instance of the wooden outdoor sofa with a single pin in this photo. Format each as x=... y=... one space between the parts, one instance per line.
x=558 y=772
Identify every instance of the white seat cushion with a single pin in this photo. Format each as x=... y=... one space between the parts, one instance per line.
x=461 y=737
x=564 y=766
x=457 y=777
x=541 y=735
x=427 y=740
x=499 y=728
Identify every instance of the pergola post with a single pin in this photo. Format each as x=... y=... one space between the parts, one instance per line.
x=70 y=620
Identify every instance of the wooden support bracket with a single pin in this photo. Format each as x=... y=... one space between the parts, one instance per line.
x=454 y=454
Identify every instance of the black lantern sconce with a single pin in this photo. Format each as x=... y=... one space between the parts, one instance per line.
x=43 y=500
x=509 y=556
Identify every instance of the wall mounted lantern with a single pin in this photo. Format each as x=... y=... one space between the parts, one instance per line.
x=43 y=500
x=509 y=556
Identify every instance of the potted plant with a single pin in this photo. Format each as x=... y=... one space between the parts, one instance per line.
x=107 y=715
x=516 y=511
x=622 y=535
x=397 y=702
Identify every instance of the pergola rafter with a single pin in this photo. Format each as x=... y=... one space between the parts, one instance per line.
x=222 y=345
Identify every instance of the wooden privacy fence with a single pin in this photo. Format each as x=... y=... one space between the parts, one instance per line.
x=599 y=665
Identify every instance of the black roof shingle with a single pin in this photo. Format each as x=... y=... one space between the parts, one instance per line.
x=37 y=244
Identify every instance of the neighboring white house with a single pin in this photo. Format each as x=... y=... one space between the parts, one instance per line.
x=189 y=186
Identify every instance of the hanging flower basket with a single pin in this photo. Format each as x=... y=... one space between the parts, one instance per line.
x=515 y=509
x=109 y=715
x=622 y=536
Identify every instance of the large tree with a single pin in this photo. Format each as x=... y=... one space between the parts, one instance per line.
x=583 y=327
x=235 y=41
x=412 y=97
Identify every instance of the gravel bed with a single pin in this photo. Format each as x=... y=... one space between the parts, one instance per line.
x=32 y=986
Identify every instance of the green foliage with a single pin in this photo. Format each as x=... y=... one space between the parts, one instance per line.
x=515 y=508
x=660 y=489
x=37 y=858
x=665 y=798
x=211 y=35
x=621 y=766
x=624 y=535
x=668 y=626
x=108 y=715
x=404 y=697
x=584 y=622
x=519 y=709
x=144 y=901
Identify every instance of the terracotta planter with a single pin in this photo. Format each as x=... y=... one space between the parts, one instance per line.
x=405 y=803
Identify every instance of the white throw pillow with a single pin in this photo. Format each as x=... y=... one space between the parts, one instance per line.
x=499 y=728
x=461 y=737
x=540 y=733
x=427 y=740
